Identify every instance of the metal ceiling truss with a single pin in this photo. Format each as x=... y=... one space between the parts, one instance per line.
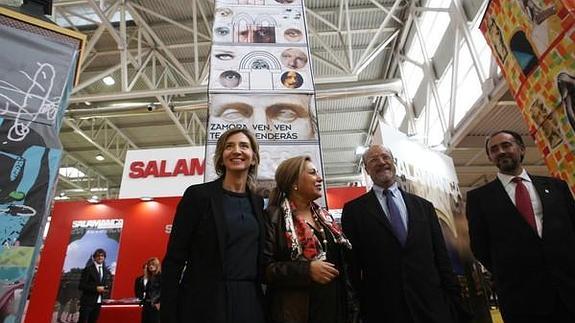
x=353 y=66
x=86 y=183
x=104 y=136
x=462 y=34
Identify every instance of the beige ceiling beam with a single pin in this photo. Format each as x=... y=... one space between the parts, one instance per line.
x=324 y=91
x=385 y=23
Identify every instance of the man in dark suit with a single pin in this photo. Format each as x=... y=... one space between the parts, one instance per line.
x=522 y=229
x=93 y=284
x=401 y=269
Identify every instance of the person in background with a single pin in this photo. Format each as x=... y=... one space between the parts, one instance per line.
x=522 y=229
x=402 y=270
x=94 y=282
x=305 y=252
x=147 y=289
x=210 y=273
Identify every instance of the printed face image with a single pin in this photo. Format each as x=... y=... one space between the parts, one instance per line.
x=221 y=31
x=224 y=55
x=566 y=86
x=270 y=117
x=292 y=80
x=256 y=2
x=497 y=39
x=293 y=58
x=255 y=34
x=223 y=12
x=293 y=35
x=230 y=79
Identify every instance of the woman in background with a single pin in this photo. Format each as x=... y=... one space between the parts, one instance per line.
x=305 y=252
x=147 y=289
x=210 y=272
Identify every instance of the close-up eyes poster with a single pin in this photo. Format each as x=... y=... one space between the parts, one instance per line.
x=261 y=79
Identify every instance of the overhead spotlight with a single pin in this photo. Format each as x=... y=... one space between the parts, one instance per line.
x=151 y=107
x=146 y=198
x=62 y=194
x=94 y=199
x=108 y=80
x=99 y=157
x=88 y=103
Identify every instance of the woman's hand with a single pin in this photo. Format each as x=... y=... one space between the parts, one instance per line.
x=322 y=272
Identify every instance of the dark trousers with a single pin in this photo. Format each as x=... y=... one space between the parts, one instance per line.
x=562 y=313
x=89 y=313
x=150 y=314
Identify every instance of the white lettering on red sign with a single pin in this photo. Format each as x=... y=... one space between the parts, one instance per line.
x=158 y=168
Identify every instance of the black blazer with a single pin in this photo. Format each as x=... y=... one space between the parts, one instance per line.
x=529 y=271
x=193 y=286
x=384 y=271
x=152 y=289
x=89 y=280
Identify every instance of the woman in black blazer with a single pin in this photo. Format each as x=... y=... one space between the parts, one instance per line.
x=147 y=289
x=211 y=268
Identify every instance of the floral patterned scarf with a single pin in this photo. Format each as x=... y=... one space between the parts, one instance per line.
x=300 y=237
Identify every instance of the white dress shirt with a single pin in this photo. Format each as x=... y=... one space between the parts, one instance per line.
x=397 y=198
x=509 y=185
x=100 y=271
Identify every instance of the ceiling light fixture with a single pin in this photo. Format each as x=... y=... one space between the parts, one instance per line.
x=146 y=198
x=108 y=80
x=94 y=199
x=99 y=157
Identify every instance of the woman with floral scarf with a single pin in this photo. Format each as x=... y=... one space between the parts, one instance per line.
x=306 y=254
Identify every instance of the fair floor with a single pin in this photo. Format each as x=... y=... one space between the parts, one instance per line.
x=496 y=316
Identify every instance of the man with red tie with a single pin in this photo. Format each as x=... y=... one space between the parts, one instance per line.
x=522 y=229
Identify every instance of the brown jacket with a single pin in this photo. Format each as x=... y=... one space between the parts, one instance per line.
x=289 y=281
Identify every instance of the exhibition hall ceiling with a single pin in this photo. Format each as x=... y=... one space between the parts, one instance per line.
x=372 y=60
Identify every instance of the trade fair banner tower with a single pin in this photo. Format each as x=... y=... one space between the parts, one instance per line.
x=261 y=79
x=534 y=44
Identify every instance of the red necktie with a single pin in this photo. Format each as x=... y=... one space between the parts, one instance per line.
x=523 y=202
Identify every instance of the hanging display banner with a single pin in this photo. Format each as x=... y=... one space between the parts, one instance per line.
x=86 y=236
x=39 y=66
x=161 y=172
x=534 y=44
x=261 y=80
